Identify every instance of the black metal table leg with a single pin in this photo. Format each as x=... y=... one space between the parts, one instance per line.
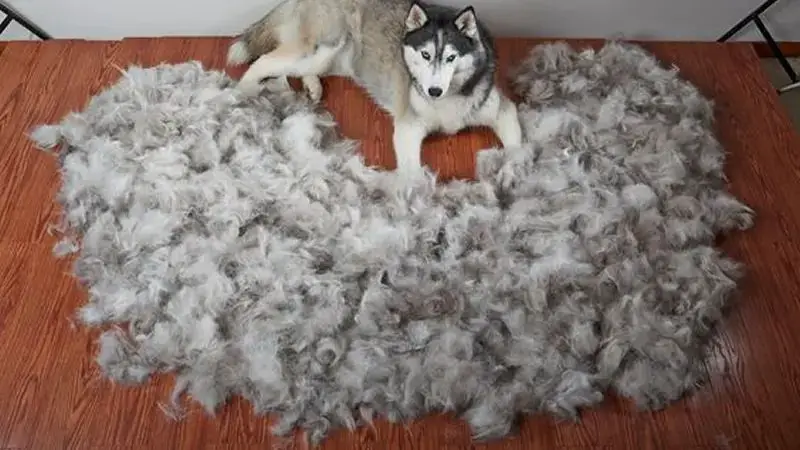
x=5 y=23
x=755 y=17
x=11 y=14
x=775 y=49
x=744 y=22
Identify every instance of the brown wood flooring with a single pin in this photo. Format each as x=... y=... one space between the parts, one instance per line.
x=52 y=397
x=790 y=49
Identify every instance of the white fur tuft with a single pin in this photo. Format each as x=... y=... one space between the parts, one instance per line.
x=238 y=53
x=46 y=137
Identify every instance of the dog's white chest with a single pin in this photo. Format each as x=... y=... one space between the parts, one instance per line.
x=448 y=115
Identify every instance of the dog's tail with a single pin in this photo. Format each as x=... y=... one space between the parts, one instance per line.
x=260 y=37
x=238 y=53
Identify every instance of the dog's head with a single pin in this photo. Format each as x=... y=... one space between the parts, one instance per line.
x=441 y=49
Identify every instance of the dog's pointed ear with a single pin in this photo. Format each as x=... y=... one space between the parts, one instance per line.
x=416 y=18
x=467 y=23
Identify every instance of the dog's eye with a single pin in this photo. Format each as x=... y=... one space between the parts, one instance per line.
x=451 y=58
x=426 y=55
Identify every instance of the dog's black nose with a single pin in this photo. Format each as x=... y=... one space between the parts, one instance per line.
x=434 y=91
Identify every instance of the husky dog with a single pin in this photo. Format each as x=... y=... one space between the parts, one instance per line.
x=430 y=67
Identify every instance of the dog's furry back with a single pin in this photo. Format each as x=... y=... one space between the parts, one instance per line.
x=298 y=16
x=372 y=29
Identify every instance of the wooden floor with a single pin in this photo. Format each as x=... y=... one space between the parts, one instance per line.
x=51 y=396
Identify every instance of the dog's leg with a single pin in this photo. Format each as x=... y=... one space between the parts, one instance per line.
x=506 y=125
x=313 y=87
x=407 y=141
x=291 y=60
x=272 y=64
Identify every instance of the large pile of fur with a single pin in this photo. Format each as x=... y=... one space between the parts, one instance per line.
x=245 y=247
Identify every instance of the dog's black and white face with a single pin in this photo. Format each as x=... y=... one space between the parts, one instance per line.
x=441 y=49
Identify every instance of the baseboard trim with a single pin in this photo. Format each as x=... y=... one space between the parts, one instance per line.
x=789 y=49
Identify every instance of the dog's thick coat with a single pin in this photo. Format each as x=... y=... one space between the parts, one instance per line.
x=381 y=44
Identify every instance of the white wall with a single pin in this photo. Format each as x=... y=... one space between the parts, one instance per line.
x=14 y=31
x=643 y=19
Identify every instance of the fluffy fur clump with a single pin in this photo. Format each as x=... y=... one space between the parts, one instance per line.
x=249 y=250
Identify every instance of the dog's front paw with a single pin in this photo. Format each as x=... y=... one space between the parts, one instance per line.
x=507 y=126
x=407 y=142
x=313 y=87
x=249 y=87
x=410 y=171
